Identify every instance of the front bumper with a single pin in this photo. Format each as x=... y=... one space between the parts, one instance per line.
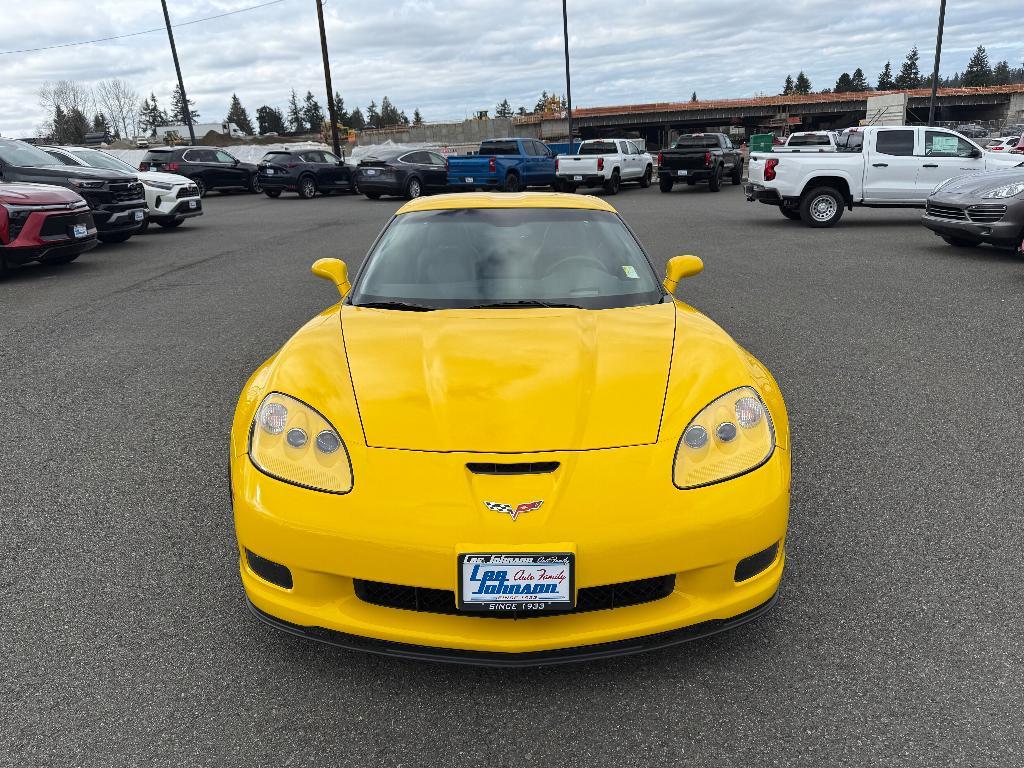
x=120 y=219
x=583 y=180
x=692 y=174
x=410 y=534
x=1008 y=231
x=171 y=209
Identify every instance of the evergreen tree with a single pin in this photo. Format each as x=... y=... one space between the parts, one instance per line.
x=177 y=108
x=417 y=118
x=372 y=116
x=885 y=81
x=788 y=88
x=70 y=127
x=978 y=72
x=503 y=110
x=295 y=119
x=312 y=112
x=802 y=84
x=356 y=119
x=1002 y=74
x=238 y=115
x=693 y=96
x=521 y=112
x=541 y=104
x=844 y=84
x=151 y=115
x=270 y=120
x=100 y=123
x=403 y=118
x=339 y=110
x=859 y=83
x=910 y=74
x=389 y=114
x=59 y=127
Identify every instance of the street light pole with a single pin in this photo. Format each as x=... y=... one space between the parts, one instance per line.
x=568 y=82
x=327 y=77
x=938 y=55
x=185 y=111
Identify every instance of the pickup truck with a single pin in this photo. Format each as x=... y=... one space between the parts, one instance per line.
x=510 y=165
x=888 y=167
x=810 y=141
x=604 y=163
x=697 y=157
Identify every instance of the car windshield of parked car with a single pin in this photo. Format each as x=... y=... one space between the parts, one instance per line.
x=96 y=159
x=499 y=148
x=20 y=154
x=599 y=148
x=698 y=142
x=501 y=257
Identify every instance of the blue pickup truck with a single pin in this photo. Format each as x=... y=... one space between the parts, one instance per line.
x=510 y=165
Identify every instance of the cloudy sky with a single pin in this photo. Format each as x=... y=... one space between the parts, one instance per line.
x=452 y=57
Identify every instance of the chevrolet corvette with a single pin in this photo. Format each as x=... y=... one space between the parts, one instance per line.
x=509 y=444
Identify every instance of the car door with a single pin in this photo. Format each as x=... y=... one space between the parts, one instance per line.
x=335 y=170
x=639 y=166
x=945 y=155
x=229 y=169
x=545 y=164
x=437 y=171
x=200 y=165
x=890 y=172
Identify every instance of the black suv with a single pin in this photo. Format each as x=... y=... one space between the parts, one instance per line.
x=306 y=171
x=209 y=167
x=117 y=200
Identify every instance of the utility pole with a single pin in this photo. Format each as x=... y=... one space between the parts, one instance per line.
x=938 y=55
x=568 y=82
x=327 y=77
x=185 y=111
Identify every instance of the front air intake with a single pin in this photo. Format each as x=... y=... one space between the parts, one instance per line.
x=749 y=567
x=268 y=570
x=521 y=468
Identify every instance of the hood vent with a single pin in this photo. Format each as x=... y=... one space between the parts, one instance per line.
x=521 y=468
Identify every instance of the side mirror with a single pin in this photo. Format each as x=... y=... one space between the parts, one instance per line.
x=334 y=270
x=235 y=161
x=975 y=152
x=679 y=267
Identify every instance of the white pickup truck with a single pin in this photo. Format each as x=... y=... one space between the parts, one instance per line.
x=889 y=166
x=604 y=163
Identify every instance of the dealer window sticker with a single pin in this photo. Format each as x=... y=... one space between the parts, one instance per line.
x=630 y=272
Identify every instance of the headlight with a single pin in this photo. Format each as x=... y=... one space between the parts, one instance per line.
x=292 y=442
x=159 y=185
x=86 y=183
x=729 y=437
x=1007 y=190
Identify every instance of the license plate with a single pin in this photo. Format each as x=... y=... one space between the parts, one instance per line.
x=469 y=179
x=577 y=178
x=270 y=171
x=193 y=204
x=80 y=230
x=140 y=215
x=371 y=172
x=516 y=582
x=681 y=173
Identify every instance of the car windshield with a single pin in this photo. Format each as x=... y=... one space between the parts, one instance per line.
x=483 y=257
x=20 y=154
x=98 y=159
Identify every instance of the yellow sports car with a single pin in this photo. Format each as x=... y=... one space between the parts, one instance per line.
x=509 y=444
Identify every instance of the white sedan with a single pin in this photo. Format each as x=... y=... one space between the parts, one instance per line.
x=170 y=198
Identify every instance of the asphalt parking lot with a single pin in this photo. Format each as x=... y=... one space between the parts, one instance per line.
x=896 y=640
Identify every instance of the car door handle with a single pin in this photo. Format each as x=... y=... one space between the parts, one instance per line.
x=930 y=165
x=879 y=165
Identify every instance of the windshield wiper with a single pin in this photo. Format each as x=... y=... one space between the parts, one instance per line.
x=524 y=303
x=401 y=305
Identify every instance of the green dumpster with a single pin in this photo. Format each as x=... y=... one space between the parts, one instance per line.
x=761 y=142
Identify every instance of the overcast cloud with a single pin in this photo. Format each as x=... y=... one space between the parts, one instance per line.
x=451 y=58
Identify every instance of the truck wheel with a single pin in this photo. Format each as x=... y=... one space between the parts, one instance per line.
x=715 y=182
x=961 y=242
x=790 y=212
x=821 y=207
x=612 y=185
x=307 y=187
x=737 y=173
x=665 y=184
x=5 y=270
x=568 y=187
x=511 y=183
x=413 y=189
x=645 y=180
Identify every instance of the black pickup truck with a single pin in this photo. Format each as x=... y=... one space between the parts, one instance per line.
x=117 y=200
x=701 y=157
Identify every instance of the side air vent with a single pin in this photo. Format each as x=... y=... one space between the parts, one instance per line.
x=523 y=468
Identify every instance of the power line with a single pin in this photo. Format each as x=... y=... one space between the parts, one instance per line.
x=144 y=31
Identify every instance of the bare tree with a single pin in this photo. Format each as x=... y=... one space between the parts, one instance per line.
x=65 y=95
x=120 y=103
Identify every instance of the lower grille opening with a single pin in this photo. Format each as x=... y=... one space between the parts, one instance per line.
x=520 y=468
x=749 y=567
x=428 y=600
x=268 y=570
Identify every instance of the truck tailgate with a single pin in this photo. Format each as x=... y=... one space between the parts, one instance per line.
x=684 y=159
x=470 y=167
x=577 y=165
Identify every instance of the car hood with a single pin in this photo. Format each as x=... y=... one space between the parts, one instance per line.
x=36 y=194
x=509 y=381
x=976 y=184
x=164 y=178
x=64 y=172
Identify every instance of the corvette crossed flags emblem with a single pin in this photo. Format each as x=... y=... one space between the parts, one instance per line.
x=513 y=512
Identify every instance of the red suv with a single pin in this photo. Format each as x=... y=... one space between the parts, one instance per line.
x=39 y=222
